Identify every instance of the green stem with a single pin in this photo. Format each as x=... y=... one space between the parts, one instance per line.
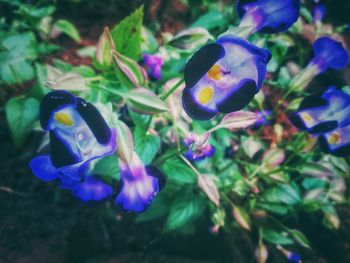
x=165 y=95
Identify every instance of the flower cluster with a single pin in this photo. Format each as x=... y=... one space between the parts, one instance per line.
x=78 y=135
x=328 y=117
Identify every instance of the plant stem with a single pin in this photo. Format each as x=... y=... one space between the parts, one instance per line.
x=165 y=95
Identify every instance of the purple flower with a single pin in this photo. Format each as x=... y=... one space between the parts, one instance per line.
x=223 y=77
x=328 y=116
x=329 y=53
x=268 y=16
x=319 y=114
x=139 y=185
x=92 y=189
x=78 y=135
x=198 y=148
x=153 y=65
x=319 y=13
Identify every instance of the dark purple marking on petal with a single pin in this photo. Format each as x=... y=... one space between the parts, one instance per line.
x=201 y=62
x=52 y=102
x=239 y=98
x=61 y=154
x=313 y=102
x=194 y=109
x=94 y=120
x=297 y=121
x=323 y=127
x=155 y=172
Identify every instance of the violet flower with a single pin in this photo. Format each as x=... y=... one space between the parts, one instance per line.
x=328 y=54
x=153 y=65
x=139 y=185
x=223 y=77
x=268 y=16
x=78 y=135
x=328 y=117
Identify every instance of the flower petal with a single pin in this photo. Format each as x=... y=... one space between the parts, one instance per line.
x=270 y=16
x=92 y=189
x=329 y=53
x=52 y=102
x=239 y=98
x=194 y=109
x=42 y=167
x=200 y=63
x=336 y=142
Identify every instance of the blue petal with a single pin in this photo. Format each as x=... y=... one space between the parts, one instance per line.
x=94 y=120
x=42 y=167
x=271 y=16
x=194 y=109
x=92 y=189
x=239 y=98
x=262 y=56
x=329 y=53
x=200 y=63
x=51 y=102
x=137 y=190
x=339 y=147
x=319 y=13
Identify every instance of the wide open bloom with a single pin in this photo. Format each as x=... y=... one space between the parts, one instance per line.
x=319 y=114
x=268 y=16
x=223 y=77
x=198 y=149
x=153 y=65
x=78 y=135
x=139 y=185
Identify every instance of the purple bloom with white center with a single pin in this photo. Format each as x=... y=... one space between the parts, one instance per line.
x=320 y=114
x=78 y=135
x=336 y=142
x=268 y=16
x=223 y=77
x=139 y=185
x=329 y=53
x=153 y=65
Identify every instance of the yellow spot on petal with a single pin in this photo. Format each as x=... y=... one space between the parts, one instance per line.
x=63 y=118
x=205 y=95
x=307 y=119
x=215 y=72
x=334 y=138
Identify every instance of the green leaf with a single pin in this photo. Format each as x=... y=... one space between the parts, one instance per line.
x=160 y=206
x=186 y=209
x=176 y=170
x=21 y=113
x=127 y=35
x=146 y=102
x=15 y=59
x=300 y=238
x=140 y=120
x=146 y=145
x=285 y=193
x=211 y=20
x=107 y=167
x=67 y=28
x=279 y=238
